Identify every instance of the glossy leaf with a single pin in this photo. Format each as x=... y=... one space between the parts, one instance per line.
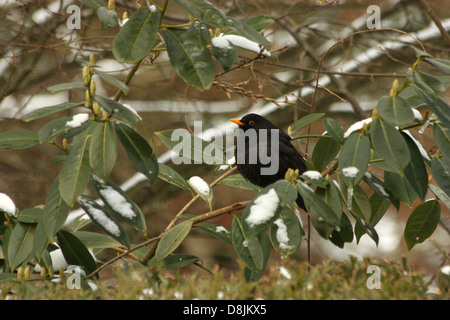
x=20 y=244
x=169 y=175
x=334 y=129
x=119 y=110
x=110 y=79
x=426 y=82
x=107 y=17
x=324 y=152
x=204 y=11
x=308 y=119
x=103 y=149
x=401 y=187
x=45 y=111
x=380 y=188
x=226 y=55
x=390 y=145
x=422 y=222
x=65 y=86
x=138 y=151
x=56 y=210
x=138 y=36
x=243 y=29
x=104 y=220
x=354 y=158
x=440 y=167
x=95 y=240
x=286 y=232
x=119 y=203
x=238 y=181
x=259 y=22
x=74 y=175
x=442 y=64
x=172 y=239
x=437 y=105
x=189 y=56
x=74 y=251
x=18 y=139
x=317 y=206
x=395 y=110
x=440 y=194
x=176 y=261
x=217 y=231
x=442 y=137
x=415 y=171
x=248 y=247
x=379 y=206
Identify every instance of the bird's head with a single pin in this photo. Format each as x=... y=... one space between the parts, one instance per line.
x=253 y=120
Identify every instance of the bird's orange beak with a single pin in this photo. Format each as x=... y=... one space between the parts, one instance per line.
x=238 y=122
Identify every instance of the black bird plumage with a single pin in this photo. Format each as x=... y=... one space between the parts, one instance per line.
x=288 y=155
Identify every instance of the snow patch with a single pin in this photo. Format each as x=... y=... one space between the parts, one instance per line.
x=312 y=174
x=77 y=120
x=263 y=209
x=7 y=205
x=350 y=172
x=200 y=185
x=282 y=235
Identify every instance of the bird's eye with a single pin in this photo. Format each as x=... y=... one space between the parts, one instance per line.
x=251 y=122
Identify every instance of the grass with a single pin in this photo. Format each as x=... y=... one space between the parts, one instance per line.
x=291 y=280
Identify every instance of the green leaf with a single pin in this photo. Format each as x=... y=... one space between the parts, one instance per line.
x=137 y=38
x=440 y=167
x=176 y=261
x=286 y=232
x=331 y=196
x=204 y=11
x=74 y=175
x=415 y=171
x=65 y=86
x=264 y=244
x=110 y=79
x=138 y=151
x=367 y=228
x=395 y=110
x=441 y=64
x=58 y=128
x=354 y=158
x=103 y=219
x=226 y=55
x=74 y=251
x=422 y=222
x=20 y=244
x=94 y=240
x=238 y=181
x=310 y=118
x=440 y=194
x=169 y=175
x=324 y=152
x=410 y=94
x=345 y=234
x=18 y=139
x=426 y=82
x=245 y=30
x=390 y=145
x=356 y=199
x=334 y=129
x=191 y=147
x=95 y=4
x=45 y=111
x=401 y=187
x=317 y=206
x=217 y=231
x=442 y=137
x=437 y=105
x=381 y=189
x=189 y=56
x=119 y=203
x=259 y=22
x=55 y=211
x=107 y=17
x=30 y=215
x=248 y=247
x=172 y=239
x=103 y=149
x=379 y=205
x=120 y=111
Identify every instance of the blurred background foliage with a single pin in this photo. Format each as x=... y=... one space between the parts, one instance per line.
x=38 y=50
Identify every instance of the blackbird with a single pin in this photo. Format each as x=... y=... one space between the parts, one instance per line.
x=273 y=140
